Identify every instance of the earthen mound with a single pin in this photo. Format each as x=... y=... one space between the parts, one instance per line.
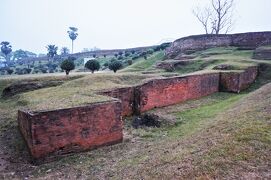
x=20 y=87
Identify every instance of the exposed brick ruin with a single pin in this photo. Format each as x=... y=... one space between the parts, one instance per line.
x=238 y=81
x=126 y=95
x=49 y=134
x=164 y=92
x=55 y=133
x=202 y=42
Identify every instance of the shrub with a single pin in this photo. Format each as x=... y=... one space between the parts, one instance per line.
x=127 y=54
x=93 y=65
x=134 y=57
x=106 y=64
x=9 y=71
x=51 y=71
x=27 y=70
x=120 y=57
x=150 y=51
x=67 y=65
x=130 y=61
x=120 y=53
x=19 y=71
x=115 y=65
x=43 y=70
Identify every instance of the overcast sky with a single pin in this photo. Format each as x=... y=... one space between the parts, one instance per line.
x=33 y=24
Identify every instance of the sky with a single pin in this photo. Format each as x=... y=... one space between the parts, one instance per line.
x=110 y=24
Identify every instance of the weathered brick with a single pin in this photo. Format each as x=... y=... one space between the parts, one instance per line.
x=64 y=131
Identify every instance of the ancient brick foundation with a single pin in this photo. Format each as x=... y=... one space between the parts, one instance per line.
x=164 y=92
x=201 y=42
x=126 y=95
x=237 y=81
x=55 y=133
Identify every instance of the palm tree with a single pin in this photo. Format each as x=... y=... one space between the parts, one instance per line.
x=6 y=49
x=65 y=51
x=73 y=34
x=52 y=51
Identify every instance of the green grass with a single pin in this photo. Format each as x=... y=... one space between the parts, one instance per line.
x=189 y=121
x=143 y=65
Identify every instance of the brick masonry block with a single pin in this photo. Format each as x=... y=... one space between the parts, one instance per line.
x=49 y=134
x=164 y=92
x=237 y=81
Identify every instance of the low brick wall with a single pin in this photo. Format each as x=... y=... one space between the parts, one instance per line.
x=237 y=81
x=164 y=92
x=54 y=133
x=50 y=134
x=126 y=95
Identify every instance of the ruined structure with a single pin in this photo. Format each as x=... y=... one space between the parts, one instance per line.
x=191 y=44
x=51 y=134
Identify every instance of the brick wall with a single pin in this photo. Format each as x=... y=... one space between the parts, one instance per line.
x=164 y=92
x=54 y=133
x=237 y=81
x=200 y=42
x=126 y=95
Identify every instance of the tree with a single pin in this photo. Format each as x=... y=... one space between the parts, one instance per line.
x=52 y=51
x=93 y=65
x=64 y=51
x=73 y=34
x=19 y=54
x=115 y=65
x=217 y=17
x=6 y=49
x=9 y=71
x=67 y=65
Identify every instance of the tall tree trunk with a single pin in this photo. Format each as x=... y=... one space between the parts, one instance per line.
x=72 y=46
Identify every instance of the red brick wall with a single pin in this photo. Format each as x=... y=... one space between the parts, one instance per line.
x=164 y=92
x=201 y=42
x=76 y=129
x=237 y=81
x=126 y=95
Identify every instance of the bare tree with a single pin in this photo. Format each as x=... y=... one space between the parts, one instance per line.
x=217 y=17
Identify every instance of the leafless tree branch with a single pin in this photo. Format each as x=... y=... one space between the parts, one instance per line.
x=217 y=18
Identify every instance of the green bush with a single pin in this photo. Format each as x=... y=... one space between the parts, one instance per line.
x=106 y=64
x=120 y=57
x=93 y=65
x=130 y=62
x=115 y=65
x=127 y=54
x=9 y=71
x=67 y=65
